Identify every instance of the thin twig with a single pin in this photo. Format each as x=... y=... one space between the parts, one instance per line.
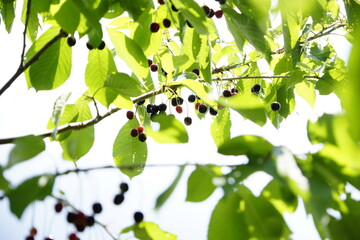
x=27 y=18
x=257 y=77
x=327 y=31
x=21 y=68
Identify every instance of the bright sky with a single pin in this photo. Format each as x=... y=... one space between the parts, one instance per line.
x=23 y=111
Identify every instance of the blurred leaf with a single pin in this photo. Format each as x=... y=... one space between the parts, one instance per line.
x=25 y=148
x=200 y=183
x=128 y=50
x=162 y=198
x=58 y=110
x=149 y=231
x=352 y=8
x=280 y=197
x=36 y=188
x=246 y=145
x=262 y=219
x=129 y=152
x=4 y=183
x=220 y=127
x=306 y=90
x=227 y=221
x=170 y=130
x=346 y=228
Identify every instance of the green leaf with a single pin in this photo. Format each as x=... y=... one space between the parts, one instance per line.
x=246 y=145
x=136 y=8
x=205 y=59
x=68 y=115
x=128 y=50
x=8 y=14
x=227 y=220
x=286 y=97
x=128 y=152
x=4 y=183
x=33 y=22
x=306 y=90
x=200 y=184
x=249 y=30
x=25 y=148
x=249 y=106
x=149 y=231
x=220 y=127
x=66 y=15
x=100 y=65
x=195 y=15
x=162 y=198
x=124 y=85
x=352 y=8
x=36 y=188
x=170 y=130
x=58 y=111
x=79 y=142
x=52 y=68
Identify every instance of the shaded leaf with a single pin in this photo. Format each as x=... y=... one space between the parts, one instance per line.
x=200 y=184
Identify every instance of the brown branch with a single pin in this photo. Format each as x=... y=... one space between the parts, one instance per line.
x=22 y=68
x=27 y=18
x=326 y=31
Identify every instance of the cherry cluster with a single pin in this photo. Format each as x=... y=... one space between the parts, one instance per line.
x=120 y=197
x=71 y=41
x=209 y=12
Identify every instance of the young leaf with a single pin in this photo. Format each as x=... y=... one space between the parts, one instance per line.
x=162 y=198
x=170 y=130
x=36 y=188
x=231 y=227
x=200 y=184
x=25 y=148
x=129 y=152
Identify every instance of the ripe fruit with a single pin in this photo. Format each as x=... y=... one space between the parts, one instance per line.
x=234 y=91
x=134 y=132
x=138 y=217
x=97 y=208
x=275 y=106
x=101 y=46
x=154 y=67
x=161 y=2
x=166 y=23
x=206 y=10
x=140 y=129
x=71 y=217
x=211 y=13
x=154 y=109
x=213 y=111
x=89 y=46
x=221 y=1
x=187 y=121
x=197 y=105
x=154 y=27
x=162 y=107
x=48 y=238
x=191 y=98
x=196 y=71
x=130 y=114
x=58 y=207
x=71 y=41
x=118 y=199
x=33 y=231
x=90 y=221
x=148 y=108
x=124 y=187
x=179 y=109
x=226 y=93
x=142 y=137
x=202 y=108
x=73 y=236
x=29 y=238
x=150 y=62
x=218 y=13
x=256 y=89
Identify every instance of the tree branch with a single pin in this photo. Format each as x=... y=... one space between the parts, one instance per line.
x=22 y=67
x=28 y=7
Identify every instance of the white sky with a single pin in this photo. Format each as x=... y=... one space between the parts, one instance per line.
x=23 y=111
